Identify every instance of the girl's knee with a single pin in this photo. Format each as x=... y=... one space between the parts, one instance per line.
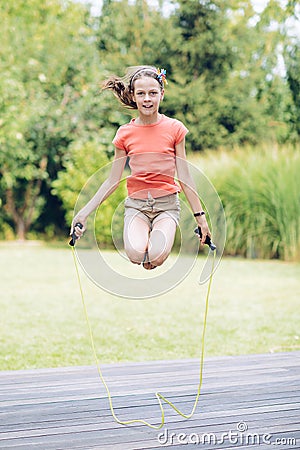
x=157 y=262
x=135 y=255
x=158 y=256
x=160 y=246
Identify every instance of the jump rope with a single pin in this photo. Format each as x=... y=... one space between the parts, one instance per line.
x=160 y=397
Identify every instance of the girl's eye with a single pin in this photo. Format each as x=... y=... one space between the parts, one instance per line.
x=151 y=94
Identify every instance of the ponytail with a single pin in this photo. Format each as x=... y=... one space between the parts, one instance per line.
x=121 y=91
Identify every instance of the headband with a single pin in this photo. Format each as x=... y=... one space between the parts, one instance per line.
x=160 y=75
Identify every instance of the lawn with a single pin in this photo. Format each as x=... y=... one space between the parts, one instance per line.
x=254 y=308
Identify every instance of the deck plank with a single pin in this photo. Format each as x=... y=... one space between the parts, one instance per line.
x=67 y=408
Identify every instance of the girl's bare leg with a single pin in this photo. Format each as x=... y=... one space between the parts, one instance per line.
x=160 y=242
x=136 y=238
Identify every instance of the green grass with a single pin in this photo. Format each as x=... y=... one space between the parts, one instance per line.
x=254 y=308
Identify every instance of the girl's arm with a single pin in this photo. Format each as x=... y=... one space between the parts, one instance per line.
x=105 y=190
x=189 y=188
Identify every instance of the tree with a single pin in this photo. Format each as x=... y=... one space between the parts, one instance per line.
x=79 y=181
x=228 y=54
x=48 y=69
x=132 y=33
x=293 y=78
x=221 y=60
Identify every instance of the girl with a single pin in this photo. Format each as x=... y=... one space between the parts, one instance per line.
x=155 y=145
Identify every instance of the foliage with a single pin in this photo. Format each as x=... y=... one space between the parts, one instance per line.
x=293 y=77
x=221 y=59
x=47 y=89
x=225 y=97
x=85 y=169
x=129 y=34
x=259 y=188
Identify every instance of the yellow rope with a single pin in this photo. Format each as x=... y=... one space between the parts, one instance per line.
x=159 y=396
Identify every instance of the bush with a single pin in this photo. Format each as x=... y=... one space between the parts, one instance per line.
x=84 y=172
x=259 y=188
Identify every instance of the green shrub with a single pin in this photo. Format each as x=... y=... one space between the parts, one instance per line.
x=260 y=191
x=83 y=173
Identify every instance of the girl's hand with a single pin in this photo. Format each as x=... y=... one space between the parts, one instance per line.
x=78 y=231
x=202 y=223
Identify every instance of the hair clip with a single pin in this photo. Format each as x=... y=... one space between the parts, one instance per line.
x=162 y=75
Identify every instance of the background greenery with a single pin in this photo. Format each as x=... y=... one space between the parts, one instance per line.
x=233 y=80
x=259 y=188
x=254 y=308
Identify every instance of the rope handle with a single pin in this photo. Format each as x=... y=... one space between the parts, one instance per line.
x=208 y=240
x=73 y=235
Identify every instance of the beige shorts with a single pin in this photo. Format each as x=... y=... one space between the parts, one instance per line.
x=153 y=209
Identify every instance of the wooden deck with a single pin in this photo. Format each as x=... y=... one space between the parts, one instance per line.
x=256 y=396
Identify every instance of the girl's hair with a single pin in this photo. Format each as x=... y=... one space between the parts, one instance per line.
x=123 y=87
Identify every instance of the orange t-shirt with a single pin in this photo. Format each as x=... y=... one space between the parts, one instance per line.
x=151 y=151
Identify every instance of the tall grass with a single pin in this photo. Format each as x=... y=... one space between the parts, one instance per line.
x=260 y=190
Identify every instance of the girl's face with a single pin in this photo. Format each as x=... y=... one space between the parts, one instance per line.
x=147 y=95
